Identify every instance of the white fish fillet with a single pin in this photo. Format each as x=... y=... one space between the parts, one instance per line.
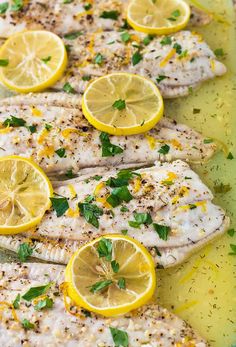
x=151 y=325
x=175 y=69
x=62 y=18
x=171 y=193
x=70 y=130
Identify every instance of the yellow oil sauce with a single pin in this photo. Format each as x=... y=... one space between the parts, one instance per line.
x=203 y=290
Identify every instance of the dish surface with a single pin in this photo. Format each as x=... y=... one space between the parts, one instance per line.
x=202 y=291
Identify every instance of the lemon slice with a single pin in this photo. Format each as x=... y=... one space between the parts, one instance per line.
x=24 y=194
x=122 y=104
x=111 y=275
x=158 y=17
x=33 y=61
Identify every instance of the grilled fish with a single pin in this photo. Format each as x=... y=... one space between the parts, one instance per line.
x=165 y=207
x=151 y=325
x=61 y=18
x=176 y=63
x=38 y=126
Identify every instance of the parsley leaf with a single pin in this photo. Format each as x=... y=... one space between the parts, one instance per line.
x=86 y=78
x=32 y=128
x=105 y=249
x=16 y=302
x=3 y=7
x=60 y=205
x=222 y=188
x=120 y=337
x=164 y=149
x=61 y=152
x=124 y=232
x=48 y=127
x=206 y=141
x=115 y=266
x=98 y=59
x=91 y=213
x=140 y=218
x=125 y=37
x=148 y=39
x=166 y=41
x=136 y=58
x=119 y=104
x=157 y=251
x=121 y=283
x=69 y=173
x=46 y=59
x=87 y=7
x=27 y=325
x=162 y=230
x=219 y=52
x=24 y=251
x=161 y=78
x=118 y=195
x=175 y=14
x=230 y=156
x=17 y=5
x=68 y=88
x=233 y=248
x=14 y=122
x=96 y=287
x=4 y=62
x=231 y=232
x=178 y=48
x=110 y=15
x=67 y=1
x=44 y=303
x=34 y=292
x=73 y=35
x=108 y=149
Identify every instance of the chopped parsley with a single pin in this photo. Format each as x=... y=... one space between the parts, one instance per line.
x=196 y=110
x=118 y=195
x=61 y=152
x=14 y=122
x=231 y=232
x=219 y=52
x=48 y=127
x=98 y=286
x=166 y=41
x=110 y=15
x=124 y=209
x=206 y=141
x=115 y=266
x=32 y=128
x=73 y=35
x=123 y=178
x=222 y=188
x=125 y=37
x=69 y=173
x=140 y=218
x=162 y=230
x=98 y=59
x=148 y=39
x=34 y=292
x=108 y=149
x=105 y=249
x=233 y=248
x=24 y=251
x=161 y=78
x=4 y=62
x=17 y=5
x=121 y=283
x=174 y=15
x=124 y=232
x=91 y=213
x=183 y=54
x=119 y=104
x=164 y=149
x=178 y=48
x=27 y=325
x=44 y=303
x=16 y=302
x=60 y=205
x=86 y=78
x=157 y=251
x=230 y=156
x=136 y=58
x=86 y=313
x=47 y=59
x=67 y=1
x=120 y=337
x=3 y=7
x=87 y=7
x=68 y=88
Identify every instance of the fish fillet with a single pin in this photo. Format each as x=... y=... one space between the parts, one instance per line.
x=171 y=193
x=68 y=129
x=150 y=325
x=61 y=18
x=176 y=67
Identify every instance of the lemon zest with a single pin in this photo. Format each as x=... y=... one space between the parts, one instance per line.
x=8 y=305
x=35 y=111
x=151 y=141
x=72 y=191
x=167 y=57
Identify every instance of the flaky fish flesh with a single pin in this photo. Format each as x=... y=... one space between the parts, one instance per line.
x=150 y=325
x=38 y=126
x=61 y=17
x=176 y=63
x=165 y=207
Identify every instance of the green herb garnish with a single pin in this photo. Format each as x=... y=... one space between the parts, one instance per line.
x=230 y=156
x=4 y=62
x=219 y=52
x=110 y=15
x=98 y=59
x=140 y=218
x=3 y=7
x=16 y=302
x=24 y=252
x=231 y=232
x=91 y=213
x=60 y=205
x=105 y=249
x=164 y=149
x=61 y=152
x=115 y=266
x=34 y=292
x=118 y=195
x=162 y=230
x=119 y=104
x=108 y=149
x=178 y=48
x=161 y=78
x=68 y=88
x=120 y=337
x=14 y=122
x=233 y=248
x=17 y=5
x=73 y=35
x=166 y=41
x=121 y=283
x=47 y=59
x=136 y=58
x=100 y=286
x=44 y=303
x=27 y=325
